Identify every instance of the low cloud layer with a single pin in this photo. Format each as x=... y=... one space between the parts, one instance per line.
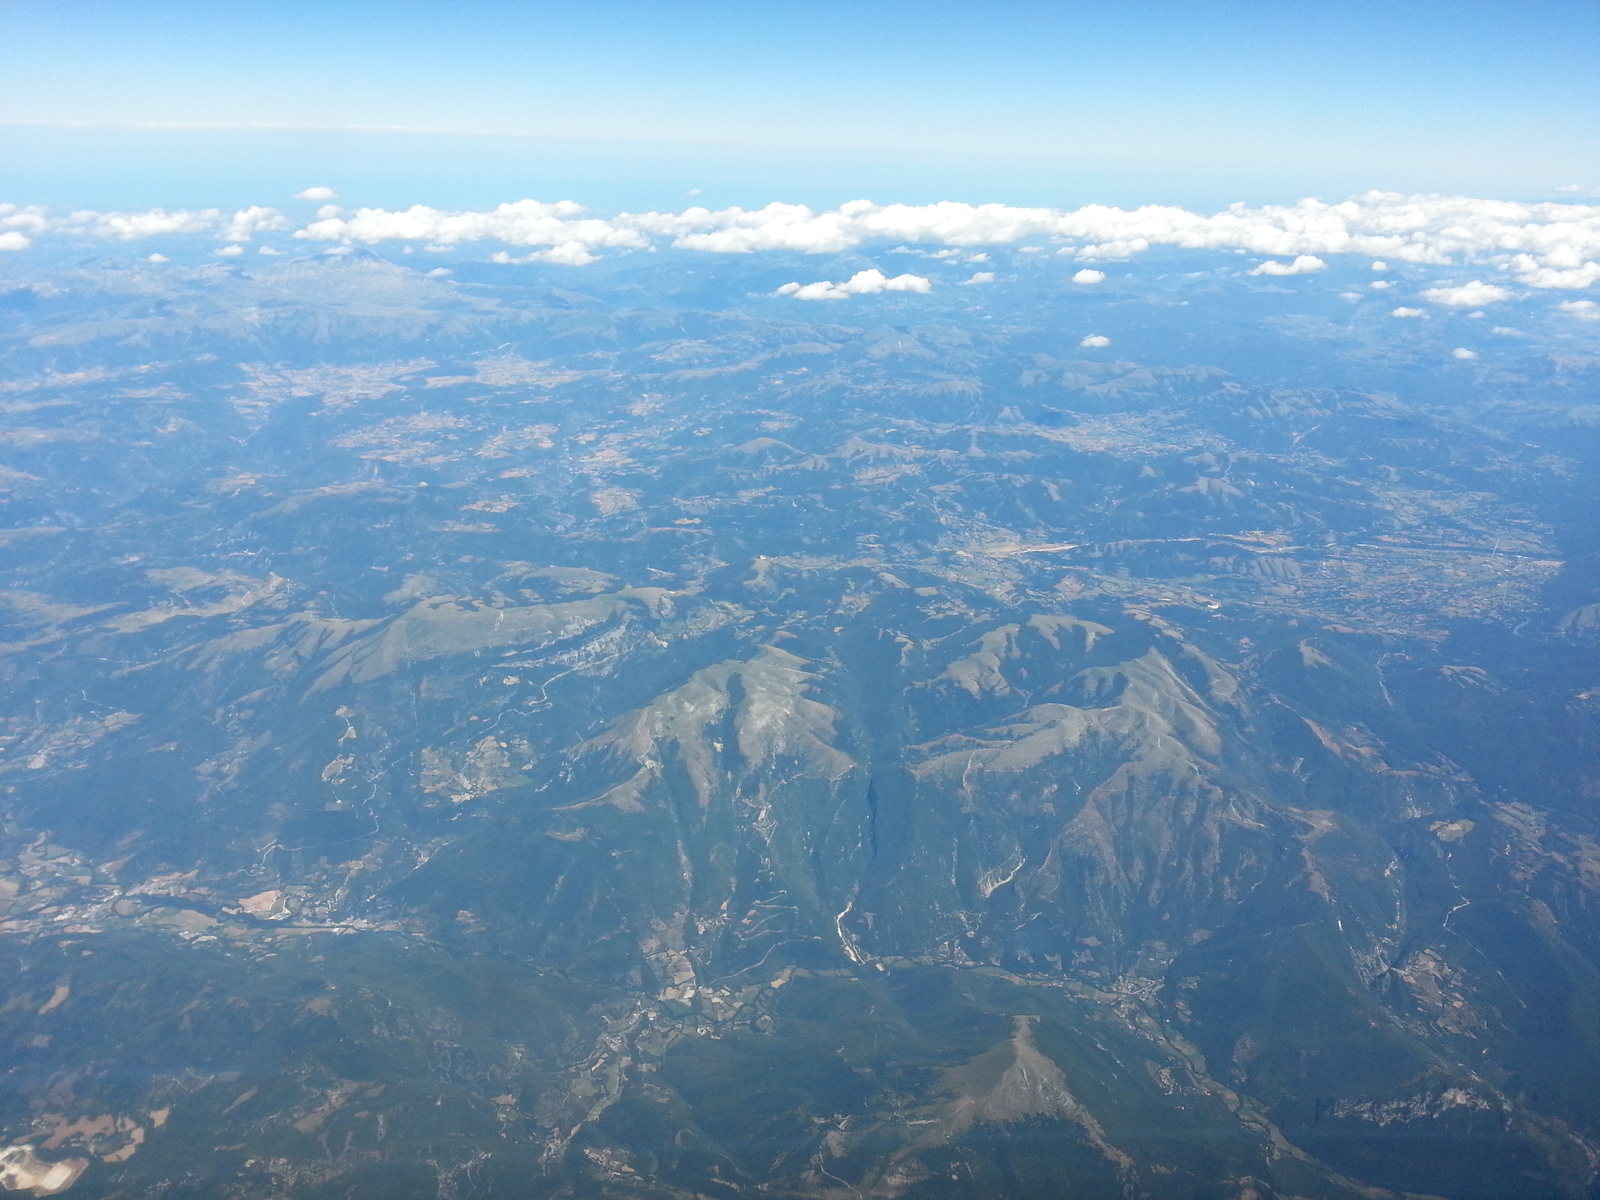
x=1544 y=245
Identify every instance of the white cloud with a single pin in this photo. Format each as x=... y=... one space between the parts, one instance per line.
x=1468 y=295
x=1117 y=249
x=1089 y=275
x=12 y=240
x=329 y=210
x=247 y=222
x=129 y=227
x=228 y=251
x=571 y=254
x=438 y=272
x=1584 y=310
x=980 y=277
x=1463 y=352
x=158 y=258
x=1094 y=341
x=316 y=193
x=18 y=218
x=862 y=283
x=1300 y=266
x=1569 y=278
x=1380 y=266
x=1380 y=284
x=570 y=237
x=268 y=250
x=1408 y=312
x=1543 y=245
x=1417 y=229
x=568 y=254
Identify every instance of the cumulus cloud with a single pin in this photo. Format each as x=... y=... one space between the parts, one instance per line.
x=1543 y=245
x=862 y=283
x=247 y=222
x=228 y=251
x=18 y=221
x=1089 y=275
x=155 y=222
x=561 y=226
x=316 y=193
x=1408 y=312
x=978 y=277
x=1463 y=352
x=1380 y=266
x=1556 y=275
x=568 y=254
x=1468 y=295
x=1300 y=266
x=1117 y=249
x=1584 y=310
x=129 y=227
x=158 y=258
x=1380 y=284
x=1094 y=341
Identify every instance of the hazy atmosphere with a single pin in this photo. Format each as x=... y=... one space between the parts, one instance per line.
x=626 y=105
x=912 y=601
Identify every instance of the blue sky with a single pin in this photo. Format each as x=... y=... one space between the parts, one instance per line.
x=622 y=103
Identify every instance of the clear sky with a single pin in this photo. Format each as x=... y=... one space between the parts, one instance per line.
x=1190 y=101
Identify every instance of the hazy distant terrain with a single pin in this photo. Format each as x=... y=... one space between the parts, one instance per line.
x=621 y=731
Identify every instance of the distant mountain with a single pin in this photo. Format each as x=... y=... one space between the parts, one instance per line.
x=468 y=737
